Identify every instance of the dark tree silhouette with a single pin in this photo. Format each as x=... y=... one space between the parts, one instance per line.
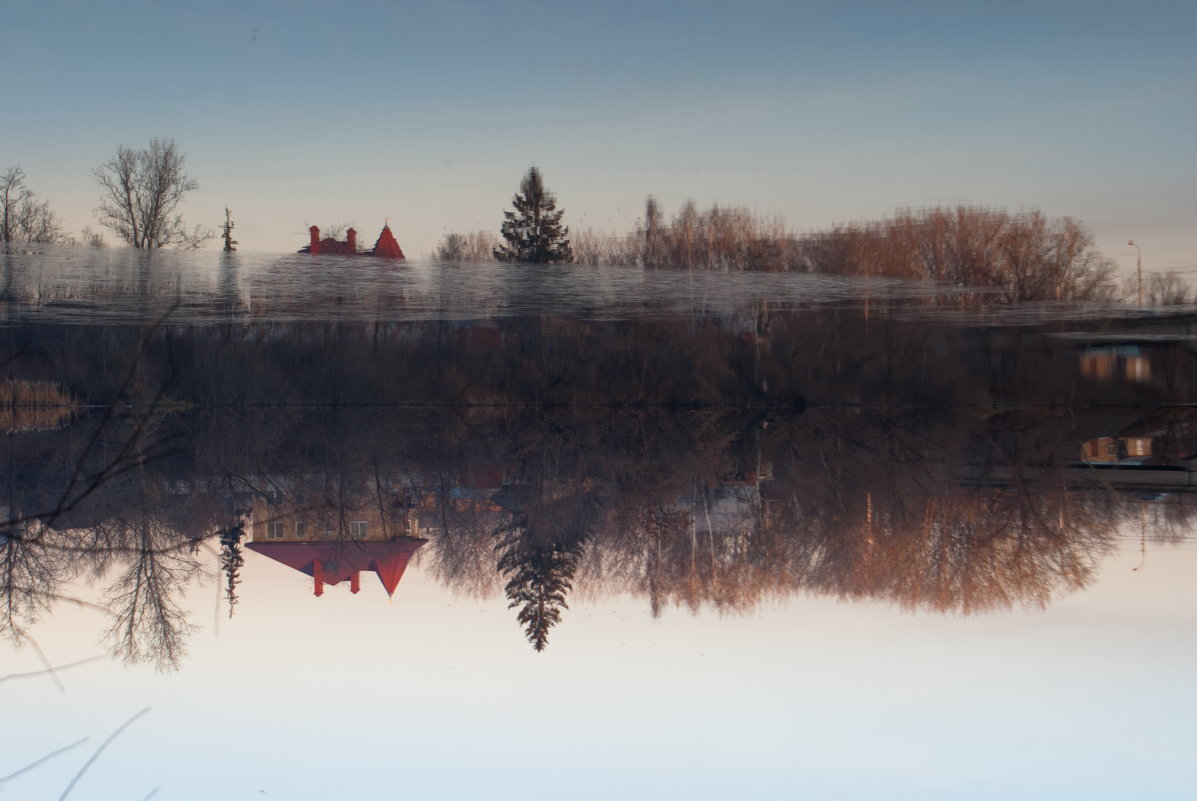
x=140 y=194
x=29 y=577
x=231 y=560
x=148 y=623
x=23 y=216
x=539 y=577
x=227 y=235
x=533 y=231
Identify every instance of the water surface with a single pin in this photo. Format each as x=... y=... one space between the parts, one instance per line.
x=448 y=531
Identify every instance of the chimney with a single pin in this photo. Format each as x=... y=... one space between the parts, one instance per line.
x=355 y=582
x=351 y=238
x=318 y=566
x=315 y=248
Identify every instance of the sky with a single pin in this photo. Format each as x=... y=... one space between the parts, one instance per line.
x=437 y=696
x=427 y=114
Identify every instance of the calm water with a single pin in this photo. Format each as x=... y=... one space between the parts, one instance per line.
x=454 y=531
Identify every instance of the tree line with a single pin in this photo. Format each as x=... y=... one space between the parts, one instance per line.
x=710 y=509
x=1013 y=257
x=141 y=191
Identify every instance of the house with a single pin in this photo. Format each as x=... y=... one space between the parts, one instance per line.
x=386 y=247
x=297 y=527
x=334 y=562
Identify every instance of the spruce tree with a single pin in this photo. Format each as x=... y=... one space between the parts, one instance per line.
x=533 y=231
x=539 y=576
x=231 y=561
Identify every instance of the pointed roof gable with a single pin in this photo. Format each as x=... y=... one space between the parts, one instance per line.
x=387 y=246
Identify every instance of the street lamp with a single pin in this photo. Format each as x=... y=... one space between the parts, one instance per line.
x=1139 y=261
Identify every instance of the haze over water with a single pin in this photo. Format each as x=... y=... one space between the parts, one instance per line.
x=644 y=534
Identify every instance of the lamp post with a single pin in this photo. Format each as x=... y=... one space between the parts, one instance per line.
x=1139 y=263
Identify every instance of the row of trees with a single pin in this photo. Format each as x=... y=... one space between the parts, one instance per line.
x=24 y=217
x=1025 y=256
x=141 y=191
x=1020 y=257
x=705 y=509
x=1015 y=256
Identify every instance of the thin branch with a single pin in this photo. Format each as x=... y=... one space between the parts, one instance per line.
x=46 y=758
x=43 y=672
x=45 y=661
x=99 y=751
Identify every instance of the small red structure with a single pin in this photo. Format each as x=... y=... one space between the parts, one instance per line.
x=387 y=247
x=332 y=563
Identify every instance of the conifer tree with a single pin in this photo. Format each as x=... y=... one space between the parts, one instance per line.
x=231 y=560
x=539 y=576
x=533 y=231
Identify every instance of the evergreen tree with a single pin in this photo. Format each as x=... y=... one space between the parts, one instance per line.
x=539 y=577
x=229 y=225
x=231 y=561
x=533 y=231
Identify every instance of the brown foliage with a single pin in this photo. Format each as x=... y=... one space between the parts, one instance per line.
x=1019 y=257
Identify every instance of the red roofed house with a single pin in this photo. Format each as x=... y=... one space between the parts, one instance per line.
x=334 y=562
x=335 y=544
x=387 y=246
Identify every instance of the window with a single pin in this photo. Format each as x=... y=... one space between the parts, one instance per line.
x=1138 y=369
x=358 y=529
x=274 y=531
x=301 y=529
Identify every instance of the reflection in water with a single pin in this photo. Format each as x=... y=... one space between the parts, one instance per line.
x=944 y=511
x=693 y=440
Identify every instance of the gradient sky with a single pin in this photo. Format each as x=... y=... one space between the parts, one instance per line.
x=294 y=113
x=440 y=697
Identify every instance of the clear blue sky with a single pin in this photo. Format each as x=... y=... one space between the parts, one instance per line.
x=429 y=113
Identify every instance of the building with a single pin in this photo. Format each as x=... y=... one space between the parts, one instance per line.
x=345 y=560
x=386 y=247
x=298 y=527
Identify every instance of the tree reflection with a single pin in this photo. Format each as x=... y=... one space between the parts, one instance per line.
x=539 y=575
x=32 y=570
x=148 y=623
x=945 y=511
x=231 y=561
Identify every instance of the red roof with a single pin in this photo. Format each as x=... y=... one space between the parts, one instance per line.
x=334 y=562
x=387 y=246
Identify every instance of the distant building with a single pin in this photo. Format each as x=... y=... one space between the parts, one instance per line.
x=1103 y=363
x=334 y=562
x=335 y=544
x=386 y=247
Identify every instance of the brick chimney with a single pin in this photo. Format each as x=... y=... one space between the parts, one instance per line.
x=315 y=232
x=351 y=240
x=318 y=576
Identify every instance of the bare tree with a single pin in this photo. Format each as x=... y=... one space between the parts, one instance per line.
x=474 y=246
x=24 y=217
x=148 y=624
x=93 y=239
x=140 y=195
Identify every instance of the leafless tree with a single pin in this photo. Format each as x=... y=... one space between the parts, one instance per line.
x=474 y=246
x=90 y=238
x=29 y=576
x=148 y=623
x=1167 y=289
x=141 y=191
x=24 y=217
